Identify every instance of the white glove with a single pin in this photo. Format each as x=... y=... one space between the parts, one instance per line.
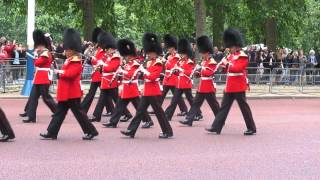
x=146 y=72
x=56 y=71
x=100 y=63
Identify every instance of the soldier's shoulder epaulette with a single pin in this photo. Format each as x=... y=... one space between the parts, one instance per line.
x=243 y=54
x=190 y=61
x=43 y=52
x=158 y=61
x=75 y=59
x=135 y=63
x=116 y=54
x=212 y=61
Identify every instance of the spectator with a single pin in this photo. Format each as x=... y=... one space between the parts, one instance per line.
x=217 y=55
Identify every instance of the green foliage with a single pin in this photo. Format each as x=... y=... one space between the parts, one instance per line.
x=297 y=21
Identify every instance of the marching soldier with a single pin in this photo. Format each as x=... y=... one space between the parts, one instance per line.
x=42 y=78
x=237 y=83
x=151 y=89
x=184 y=71
x=206 y=89
x=128 y=89
x=69 y=89
x=109 y=63
x=5 y=128
x=96 y=54
x=170 y=79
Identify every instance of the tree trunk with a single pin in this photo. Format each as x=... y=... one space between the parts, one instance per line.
x=271 y=33
x=218 y=19
x=200 y=15
x=88 y=18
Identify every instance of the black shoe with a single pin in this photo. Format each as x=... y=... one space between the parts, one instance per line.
x=23 y=114
x=28 y=120
x=6 y=138
x=211 y=130
x=186 y=122
x=147 y=125
x=182 y=114
x=165 y=135
x=198 y=117
x=129 y=133
x=110 y=125
x=89 y=136
x=126 y=118
x=249 y=132
x=107 y=114
x=48 y=136
x=94 y=119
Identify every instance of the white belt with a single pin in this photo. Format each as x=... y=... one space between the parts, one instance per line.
x=43 y=69
x=206 y=78
x=128 y=81
x=147 y=80
x=107 y=74
x=235 y=74
x=168 y=71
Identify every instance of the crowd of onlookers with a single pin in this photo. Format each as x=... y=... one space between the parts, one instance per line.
x=283 y=66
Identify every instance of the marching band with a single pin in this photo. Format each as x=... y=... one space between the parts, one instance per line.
x=118 y=71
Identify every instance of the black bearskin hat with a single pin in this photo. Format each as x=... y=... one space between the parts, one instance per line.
x=39 y=38
x=170 y=41
x=95 y=34
x=232 y=37
x=151 y=43
x=126 y=47
x=106 y=40
x=204 y=44
x=184 y=47
x=72 y=40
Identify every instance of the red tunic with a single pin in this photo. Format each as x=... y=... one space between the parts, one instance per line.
x=152 y=80
x=69 y=86
x=96 y=75
x=206 y=84
x=42 y=62
x=184 y=80
x=236 y=73
x=112 y=62
x=171 y=79
x=129 y=89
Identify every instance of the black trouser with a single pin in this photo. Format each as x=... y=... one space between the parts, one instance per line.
x=226 y=103
x=142 y=110
x=182 y=105
x=198 y=101
x=122 y=105
x=5 y=127
x=105 y=98
x=37 y=91
x=177 y=96
x=88 y=99
x=59 y=116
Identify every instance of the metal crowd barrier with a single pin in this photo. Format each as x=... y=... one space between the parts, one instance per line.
x=262 y=80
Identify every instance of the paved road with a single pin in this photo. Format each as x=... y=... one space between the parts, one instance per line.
x=287 y=146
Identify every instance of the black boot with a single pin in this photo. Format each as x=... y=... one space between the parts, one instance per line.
x=90 y=136
x=212 y=130
x=165 y=135
x=6 y=138
x=126 y=118
x=129 y=133
x=110 y=125
x=182 y=113
x=186 y=122
x=28 y=120
x=94 y=119
x=249 y=132
x=48 y=136
x=147 y=125
x=107 y=114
